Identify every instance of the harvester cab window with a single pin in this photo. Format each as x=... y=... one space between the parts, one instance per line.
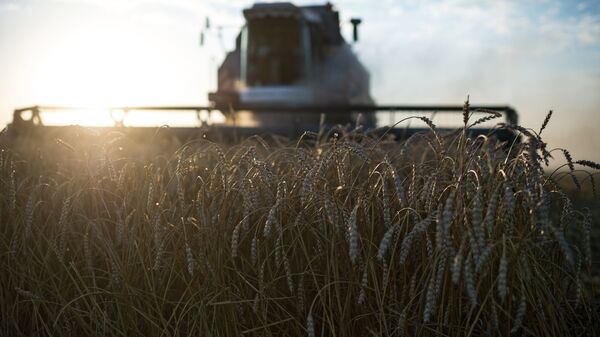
x=275 y=54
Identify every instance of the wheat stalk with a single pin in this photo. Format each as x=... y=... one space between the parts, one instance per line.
x=353 y=234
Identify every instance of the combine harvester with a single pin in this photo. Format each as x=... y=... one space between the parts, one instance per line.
x=290 y=67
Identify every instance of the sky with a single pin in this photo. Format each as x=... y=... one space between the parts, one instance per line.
x=533 y=55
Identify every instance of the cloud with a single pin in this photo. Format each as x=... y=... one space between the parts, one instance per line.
x=588 y=30
x=10 y=7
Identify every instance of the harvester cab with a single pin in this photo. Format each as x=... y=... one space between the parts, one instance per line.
x=287 y=55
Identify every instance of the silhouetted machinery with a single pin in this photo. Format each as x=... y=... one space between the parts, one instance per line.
x=290 y=67
x=290 y=56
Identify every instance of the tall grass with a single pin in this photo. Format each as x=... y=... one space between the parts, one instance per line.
x=335 y=234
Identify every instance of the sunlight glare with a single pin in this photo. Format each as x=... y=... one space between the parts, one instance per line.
x=85 y=117
x=104 y=66
x=107 y=117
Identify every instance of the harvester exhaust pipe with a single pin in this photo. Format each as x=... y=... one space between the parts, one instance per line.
x=355 y=22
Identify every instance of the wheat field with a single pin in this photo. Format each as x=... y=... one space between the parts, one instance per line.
x=340 y=233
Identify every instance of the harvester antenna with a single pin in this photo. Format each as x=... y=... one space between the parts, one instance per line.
x=205 y=29
x=355 y=22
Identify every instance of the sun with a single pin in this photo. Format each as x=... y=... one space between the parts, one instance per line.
x=101 y=66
